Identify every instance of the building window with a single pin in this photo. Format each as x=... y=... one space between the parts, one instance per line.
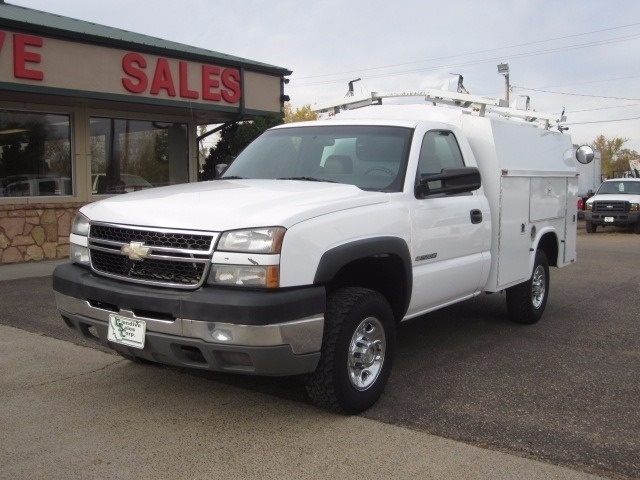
x=129 y=155
x=35 y=154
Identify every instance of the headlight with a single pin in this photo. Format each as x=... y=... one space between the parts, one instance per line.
x=78 y=249
x=634 y=207
x=257 y=240
x=252 y=259
x=80 y=225
x=588 y=206
x=245 y=276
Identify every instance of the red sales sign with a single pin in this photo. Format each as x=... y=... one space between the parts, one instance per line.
x=214 y=84
x=138 y=74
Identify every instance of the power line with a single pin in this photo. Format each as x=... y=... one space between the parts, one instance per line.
x=604 y=121
x=603 y=42
x=592 y=81
x=477 y=62
x=576 y=94
x=603 y=108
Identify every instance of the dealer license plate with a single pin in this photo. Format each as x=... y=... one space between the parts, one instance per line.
x=608 y=219
x=126 y=331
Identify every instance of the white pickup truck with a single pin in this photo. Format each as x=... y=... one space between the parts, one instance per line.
x=616 y=203
x=320 y=238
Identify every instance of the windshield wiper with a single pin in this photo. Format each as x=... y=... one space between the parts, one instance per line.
x=307 y=179
x=233 y=177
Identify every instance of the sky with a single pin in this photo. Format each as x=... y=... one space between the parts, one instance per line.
x=576 y=55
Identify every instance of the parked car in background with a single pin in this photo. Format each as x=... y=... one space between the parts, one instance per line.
x=37 y=187
x=616 y=203
x=102 y=184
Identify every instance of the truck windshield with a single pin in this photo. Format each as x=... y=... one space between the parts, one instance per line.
x=632 y=188
x=369 y=157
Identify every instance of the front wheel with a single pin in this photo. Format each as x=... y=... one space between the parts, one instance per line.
x=358 y=346
x=590 y=227
x=526 y=302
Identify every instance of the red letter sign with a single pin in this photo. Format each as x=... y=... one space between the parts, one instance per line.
x=21 y=56
x=209 y=82
x=162 y=79
x=132 y=64
x=231 y=80
x=184 y=82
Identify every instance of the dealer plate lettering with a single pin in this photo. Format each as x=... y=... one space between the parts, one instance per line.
x=126 y=331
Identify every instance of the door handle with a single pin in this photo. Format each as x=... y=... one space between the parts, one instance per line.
x=476 y=216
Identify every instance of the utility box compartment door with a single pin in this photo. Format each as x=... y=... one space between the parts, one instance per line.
x=571 y=222
x=548 y=198
x=514 y=240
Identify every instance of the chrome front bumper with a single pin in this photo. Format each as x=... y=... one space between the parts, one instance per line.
x=286 y=348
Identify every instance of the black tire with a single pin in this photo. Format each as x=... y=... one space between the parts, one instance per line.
x=526 y=302
x=358 y=347
x=590 y=227
x=636 y=229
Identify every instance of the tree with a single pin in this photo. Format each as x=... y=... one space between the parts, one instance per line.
x=615 y=158
x=234 y=137
x=301 y=114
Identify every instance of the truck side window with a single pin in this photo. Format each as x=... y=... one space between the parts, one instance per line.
x=439 y=150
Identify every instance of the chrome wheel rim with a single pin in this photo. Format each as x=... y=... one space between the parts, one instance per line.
x=366 y=353
x=538 y=287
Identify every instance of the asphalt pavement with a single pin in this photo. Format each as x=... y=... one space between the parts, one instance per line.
x=71 y=412
x=76 y=411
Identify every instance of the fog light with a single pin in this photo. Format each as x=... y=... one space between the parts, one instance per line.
x=79 y=254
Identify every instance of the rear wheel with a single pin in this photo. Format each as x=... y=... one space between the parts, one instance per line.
x=590 y=227
x=358 y=346
x=526 y=302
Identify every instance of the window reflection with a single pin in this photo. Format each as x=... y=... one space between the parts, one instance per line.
x=35 y=154
x=129 y=155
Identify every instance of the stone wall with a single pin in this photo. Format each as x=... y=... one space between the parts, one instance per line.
x=35 y=232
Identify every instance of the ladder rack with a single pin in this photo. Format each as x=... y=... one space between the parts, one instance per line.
x=474 y=104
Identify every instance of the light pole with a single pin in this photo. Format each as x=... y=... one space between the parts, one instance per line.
x=503 y=69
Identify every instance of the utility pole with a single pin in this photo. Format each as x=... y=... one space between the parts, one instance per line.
x=503 y=69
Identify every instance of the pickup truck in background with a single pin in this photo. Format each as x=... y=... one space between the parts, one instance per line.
x=615 y=204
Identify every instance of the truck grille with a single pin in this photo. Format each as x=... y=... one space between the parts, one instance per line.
x=610 y=207
x=178 y=259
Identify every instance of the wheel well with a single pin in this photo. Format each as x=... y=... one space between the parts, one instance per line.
x=549 y=245
x=383 y=273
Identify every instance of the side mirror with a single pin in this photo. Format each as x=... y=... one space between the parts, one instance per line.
x=584 y=154
x=450 y=181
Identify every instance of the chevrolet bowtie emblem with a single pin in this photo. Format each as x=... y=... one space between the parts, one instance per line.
x=135 y=250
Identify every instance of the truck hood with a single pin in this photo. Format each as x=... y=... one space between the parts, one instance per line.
x=616 y=197
x=230 y=204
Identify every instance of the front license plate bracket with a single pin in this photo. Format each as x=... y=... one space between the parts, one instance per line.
x=127 y=331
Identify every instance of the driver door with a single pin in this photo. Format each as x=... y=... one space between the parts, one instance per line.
x=450 y=233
